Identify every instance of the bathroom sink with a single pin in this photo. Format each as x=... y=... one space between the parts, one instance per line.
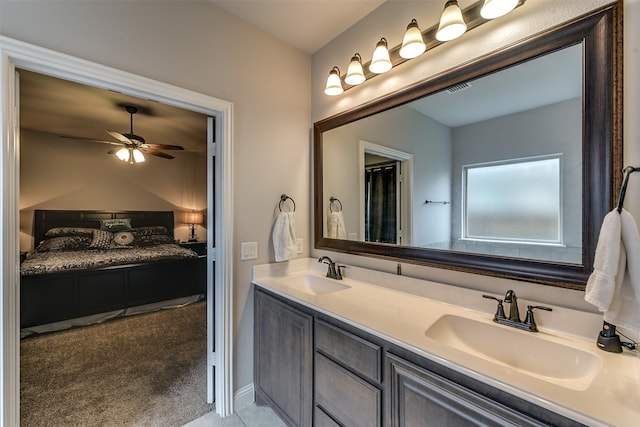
x=523 y=351
x=313 y=285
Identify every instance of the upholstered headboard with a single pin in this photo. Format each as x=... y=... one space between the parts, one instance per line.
x=46 y=219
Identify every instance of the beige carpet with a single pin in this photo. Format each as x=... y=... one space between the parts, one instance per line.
x=145 y=370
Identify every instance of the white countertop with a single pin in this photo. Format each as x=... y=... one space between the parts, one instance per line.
x=400 y=309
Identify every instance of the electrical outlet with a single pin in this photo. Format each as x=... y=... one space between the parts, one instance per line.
x=248 y=250
x=299 y=244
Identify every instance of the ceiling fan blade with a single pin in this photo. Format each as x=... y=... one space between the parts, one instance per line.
x=120 y=137
x=91 y=140
x=163 y=147
x=157 y=153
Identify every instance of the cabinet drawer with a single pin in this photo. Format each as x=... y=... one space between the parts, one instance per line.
x=358 y=354
x=347 y=398
x=321 y=419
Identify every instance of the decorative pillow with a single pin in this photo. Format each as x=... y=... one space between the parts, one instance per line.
x=122 y=238
x=153 y=239
x=101 y=239
x=65 y=243
x=117 y=224
x=69 y=231
x=149 y=231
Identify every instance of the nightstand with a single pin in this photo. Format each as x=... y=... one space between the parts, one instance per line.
x=198 y=247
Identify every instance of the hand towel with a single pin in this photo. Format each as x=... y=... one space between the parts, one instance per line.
x=335 y=226
x=624 y=310
x=610 y=258
x=614 y=286
x=284 y=236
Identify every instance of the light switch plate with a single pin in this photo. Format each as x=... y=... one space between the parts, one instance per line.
x=248 y=250
x=299 y=244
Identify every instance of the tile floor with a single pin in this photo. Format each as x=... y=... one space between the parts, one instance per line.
x=250 y=416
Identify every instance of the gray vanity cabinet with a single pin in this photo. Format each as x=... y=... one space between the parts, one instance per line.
x=348 y=389
x=283 y=362
x=314 y=370
x=418 y=397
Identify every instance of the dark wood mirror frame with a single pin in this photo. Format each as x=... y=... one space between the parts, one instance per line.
x=601 y=33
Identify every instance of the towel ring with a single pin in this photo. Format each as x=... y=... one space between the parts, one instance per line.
x=334 y=199
x=626 y=172
x=283 y=199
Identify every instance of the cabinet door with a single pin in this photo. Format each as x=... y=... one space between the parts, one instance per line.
x=419 y=398
x=283 y=359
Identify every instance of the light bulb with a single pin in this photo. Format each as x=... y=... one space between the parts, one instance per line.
x=380 y=63
x=355 y=73
x=334 y=84
x=138 y=157
x=123 y=154
x=496 y=8
x=452 y=24
x=412 y=42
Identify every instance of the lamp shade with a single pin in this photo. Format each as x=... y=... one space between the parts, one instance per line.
x=138 y=157
x=452 y=24
x=497 y=8
x=193 y=217
x=412 y=42
x=380 y=63
x=334 y=84
x=355 y=73
x=123 y=154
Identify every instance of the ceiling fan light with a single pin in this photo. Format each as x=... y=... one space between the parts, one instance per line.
x=496 y=8
x=123 y=154
x=138 y=157
x=412 y=42
x=452 y=24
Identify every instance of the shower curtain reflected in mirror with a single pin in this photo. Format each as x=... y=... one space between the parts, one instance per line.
x=381 y=202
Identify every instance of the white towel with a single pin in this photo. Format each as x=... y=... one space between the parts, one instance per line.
x=614 y=285
x=335 y=226
x=284 y=236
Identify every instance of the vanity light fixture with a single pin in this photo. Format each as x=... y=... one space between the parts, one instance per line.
x=355 y=73
x=496 y=8
x=334 y=84
x=381 y=62
x=452 y=24
x=412 y=43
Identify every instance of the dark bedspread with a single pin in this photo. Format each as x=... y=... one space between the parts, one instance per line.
x=56 y=261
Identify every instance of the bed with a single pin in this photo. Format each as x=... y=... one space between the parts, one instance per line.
x=91 y=265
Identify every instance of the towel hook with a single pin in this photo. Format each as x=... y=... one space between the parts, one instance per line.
x=626 y=172
x=283 y=198
x=334 y=199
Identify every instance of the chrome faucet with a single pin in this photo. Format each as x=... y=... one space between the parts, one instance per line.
x=513 y=320
x=333 y=272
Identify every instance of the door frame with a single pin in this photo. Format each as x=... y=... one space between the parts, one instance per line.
x=16 y=54
x=406 y=192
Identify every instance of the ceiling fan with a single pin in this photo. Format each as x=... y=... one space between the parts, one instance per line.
x=132 y=146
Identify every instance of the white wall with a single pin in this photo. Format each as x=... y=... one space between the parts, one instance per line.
x=534 y=16
x=197 y=46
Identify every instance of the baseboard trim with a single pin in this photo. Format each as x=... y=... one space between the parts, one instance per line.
x=243 y=397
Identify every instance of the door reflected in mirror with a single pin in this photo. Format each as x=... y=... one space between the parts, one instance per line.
x=491 y=166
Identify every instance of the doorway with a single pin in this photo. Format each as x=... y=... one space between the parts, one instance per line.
x=386 y=194
x=20 y=55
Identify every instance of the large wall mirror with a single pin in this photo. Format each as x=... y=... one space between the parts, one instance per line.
x=504 y=166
